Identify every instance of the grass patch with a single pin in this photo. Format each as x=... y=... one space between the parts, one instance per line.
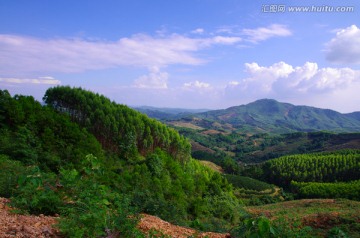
x=212 y=166
x=323 y=215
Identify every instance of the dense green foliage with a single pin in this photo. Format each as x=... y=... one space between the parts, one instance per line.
x=36 y=134
x=248 y=183
x=88 y=207
x=317 y=175
x=349 y=190
x=10 y=172
x=95 y=170
x=118 y=128
x=319 y=167
x=255 y=192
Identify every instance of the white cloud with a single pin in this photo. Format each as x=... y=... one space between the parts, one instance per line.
x=196 y=85
x=155 y=79
x=225 y=40
x=41 y=80
x=26 y=54
x=299 y=79
x=345 y=46
x=286 y=82
x=264 y=33
x=261 y=78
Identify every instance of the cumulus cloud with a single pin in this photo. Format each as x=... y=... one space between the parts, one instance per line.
x=27 y=54
x=282 y=79
x=155 y=79
x=264 y=33
x=262 y=78
x=41 y=80
x=196 y=85
x=308 y=77
x=345 y=46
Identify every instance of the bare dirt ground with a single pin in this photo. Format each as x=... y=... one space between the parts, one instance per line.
x=149 y=223
x=29 y=226
x=14 y=225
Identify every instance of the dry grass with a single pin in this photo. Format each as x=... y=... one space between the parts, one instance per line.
x=186 y=125
x=212 y=166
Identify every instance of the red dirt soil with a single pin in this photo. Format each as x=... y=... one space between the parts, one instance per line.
x=14 y=225
x=29 y=226
x=149 y=223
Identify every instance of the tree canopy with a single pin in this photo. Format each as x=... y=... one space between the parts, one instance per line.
x=118 y=128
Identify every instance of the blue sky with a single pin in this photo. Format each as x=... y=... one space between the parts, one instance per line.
x=186 y=54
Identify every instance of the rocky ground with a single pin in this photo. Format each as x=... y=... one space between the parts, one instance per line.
x=26 y=226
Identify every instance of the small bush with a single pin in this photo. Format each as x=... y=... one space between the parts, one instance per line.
x=10 y=171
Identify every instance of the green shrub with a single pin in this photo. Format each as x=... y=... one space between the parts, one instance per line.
x=37 y=193
x=92 y=209
x=259 y=227
x=10 y=171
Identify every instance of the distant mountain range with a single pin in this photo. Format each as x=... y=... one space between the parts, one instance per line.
x=167 y=113
x=261 y=116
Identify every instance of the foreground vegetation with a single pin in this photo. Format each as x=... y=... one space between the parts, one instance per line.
x=99 y=164
x=83 y=154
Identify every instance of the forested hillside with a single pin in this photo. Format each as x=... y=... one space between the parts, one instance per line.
x=118 y=128
x=95 y=162
x=321 y=167
x=257 y=148
x=36 y=134
x=314 y=175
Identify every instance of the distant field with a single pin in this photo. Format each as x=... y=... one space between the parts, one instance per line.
x=320 y=214
x=195 y=146
x=212 y=166
x=186 y=125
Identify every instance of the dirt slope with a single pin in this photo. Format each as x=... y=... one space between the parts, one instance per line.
x=148 y=223
x=21 y=226
x=14 y=225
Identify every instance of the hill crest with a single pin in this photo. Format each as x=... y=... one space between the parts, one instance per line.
x=271 y=116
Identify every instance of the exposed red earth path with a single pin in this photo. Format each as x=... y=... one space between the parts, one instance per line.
x=29 y=226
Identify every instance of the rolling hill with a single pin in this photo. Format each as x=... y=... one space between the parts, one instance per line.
x=167 y=113
x=271 y=116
